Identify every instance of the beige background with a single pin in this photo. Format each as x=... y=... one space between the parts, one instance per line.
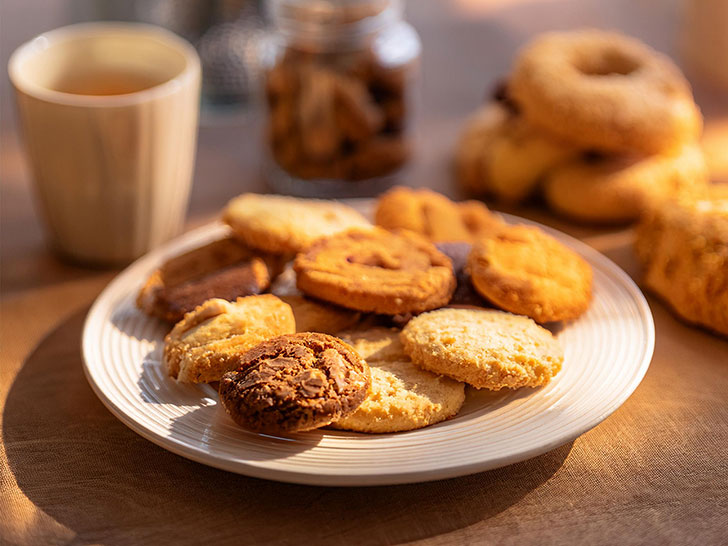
x=70 y=473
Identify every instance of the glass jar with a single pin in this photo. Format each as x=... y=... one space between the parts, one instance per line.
x=339 y=78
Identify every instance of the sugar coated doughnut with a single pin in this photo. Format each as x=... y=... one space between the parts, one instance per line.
x=605 y=91
x=617 y=189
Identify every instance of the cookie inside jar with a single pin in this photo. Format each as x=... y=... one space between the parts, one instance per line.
x=339 y=87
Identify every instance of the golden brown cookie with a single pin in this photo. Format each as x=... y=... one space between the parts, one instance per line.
x=279 y=224
x=612 y=189
x=376 y=344
x=523 y=270
x=225 y=269
x=683 y=246
x=486 y=349
x=501 y=154
x=318 y=316
x=402 y=396
x=376 y=271
x=433 y=215
x=295 y=382
x=210 y=340
x=478 y=219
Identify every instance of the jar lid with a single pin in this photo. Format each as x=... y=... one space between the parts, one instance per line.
x=321 y=24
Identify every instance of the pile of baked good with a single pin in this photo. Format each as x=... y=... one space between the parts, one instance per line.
x=308 y=315
x=683 y=246
x=600 y=123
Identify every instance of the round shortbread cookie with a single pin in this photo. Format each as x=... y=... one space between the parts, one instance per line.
x=280 y=224
x=486 y=349
x=377 y=344
x=404 y=397
x=209 y=340
x=318 y=316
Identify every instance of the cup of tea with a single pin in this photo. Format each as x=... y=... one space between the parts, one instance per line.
x=108 y=113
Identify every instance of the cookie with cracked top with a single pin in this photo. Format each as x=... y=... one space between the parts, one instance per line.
x=294 y=383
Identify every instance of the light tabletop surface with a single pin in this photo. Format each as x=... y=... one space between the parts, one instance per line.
x=655 y=472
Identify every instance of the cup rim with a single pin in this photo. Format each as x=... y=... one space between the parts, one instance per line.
x=53 y=37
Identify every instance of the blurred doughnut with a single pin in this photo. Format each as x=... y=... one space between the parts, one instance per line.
x=605 y=91
x=615 y=189
x=502 y=155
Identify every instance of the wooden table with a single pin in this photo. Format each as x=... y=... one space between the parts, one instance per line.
x=655 y=472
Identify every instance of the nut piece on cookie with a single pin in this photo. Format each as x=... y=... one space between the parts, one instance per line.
x=294 y=383
x=403 y=396
x=376 y=271
x=224 y=269
x=486 y=349
x=433 y=215
x=210 y=340
x=683 y=247
x=523 y=270
x=280 y=224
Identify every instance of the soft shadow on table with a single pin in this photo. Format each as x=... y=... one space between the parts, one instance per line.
x=86 y=470
x=40 y=267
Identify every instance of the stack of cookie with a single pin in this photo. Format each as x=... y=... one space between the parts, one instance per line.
x=327 y=346
x=601 y=123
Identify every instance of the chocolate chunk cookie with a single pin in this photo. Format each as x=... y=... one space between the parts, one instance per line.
x=294 y=383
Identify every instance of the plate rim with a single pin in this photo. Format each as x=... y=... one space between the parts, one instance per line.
x=362 y=479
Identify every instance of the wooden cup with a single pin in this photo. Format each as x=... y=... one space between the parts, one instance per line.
x=109 y=114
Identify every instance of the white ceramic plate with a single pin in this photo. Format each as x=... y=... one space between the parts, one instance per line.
x=607 y=352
